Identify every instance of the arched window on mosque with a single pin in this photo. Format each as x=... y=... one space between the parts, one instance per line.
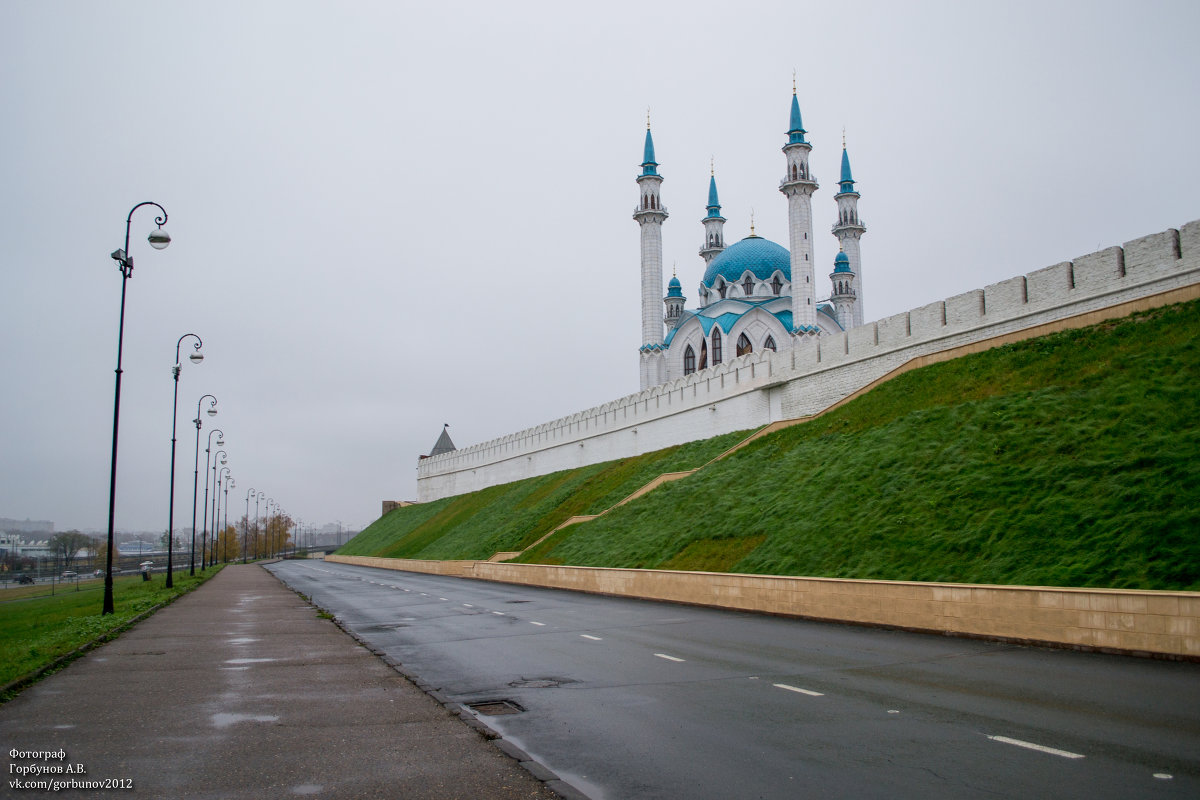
x=716 y=337
x=703 y=355
x=689 y=360
x=744 y=346
x=748 y=286
x=769 y=344
x=721 y=290
x=776 y=285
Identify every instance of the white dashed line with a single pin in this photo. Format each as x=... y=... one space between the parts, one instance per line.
x=467 y=605
x=667 y=657
x=797 y=689
x=498 y=613
x=593 y=638
x=1054 y=751
x=444 y=599
x=540 y=624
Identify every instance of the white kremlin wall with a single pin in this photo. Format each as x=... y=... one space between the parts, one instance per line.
x=760 y=388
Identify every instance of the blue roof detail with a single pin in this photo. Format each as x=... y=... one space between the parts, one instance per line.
x=847 y=180
x=648 y=163
x=796 y=131
x=841 y=263
x=714 y=205
x=674 y=288
x=761 y=256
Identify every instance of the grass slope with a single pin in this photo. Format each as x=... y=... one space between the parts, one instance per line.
x=1068 y=460
x=515 y=515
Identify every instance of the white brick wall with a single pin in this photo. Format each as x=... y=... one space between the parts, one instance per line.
x=809 y=376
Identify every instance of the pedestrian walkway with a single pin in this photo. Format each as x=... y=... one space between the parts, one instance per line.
x=240 y=690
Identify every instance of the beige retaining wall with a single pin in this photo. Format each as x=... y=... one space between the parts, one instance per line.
x=1146 y=623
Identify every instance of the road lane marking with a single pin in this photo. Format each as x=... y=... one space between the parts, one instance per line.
x=797 y=689
x=541 y=624
x=667 y=657
x=498 y=613
x=593 y=638
x=467 y=605
x=444 y=599
x=1041 y=748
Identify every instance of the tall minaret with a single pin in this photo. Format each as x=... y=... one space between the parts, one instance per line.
x=714 y=223
x=650 y=215
x=848 y=229
x=798 y=185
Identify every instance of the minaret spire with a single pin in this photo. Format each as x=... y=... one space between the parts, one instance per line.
x=713 y=222
x=849 y=229
x=650 y=215
x=798 y=186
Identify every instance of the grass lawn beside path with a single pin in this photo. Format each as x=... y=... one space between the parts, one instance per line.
x=37 y=629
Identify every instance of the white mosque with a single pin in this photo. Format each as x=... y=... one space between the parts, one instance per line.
x=755 y=295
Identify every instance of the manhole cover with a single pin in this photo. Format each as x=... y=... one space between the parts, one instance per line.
x=495 y=708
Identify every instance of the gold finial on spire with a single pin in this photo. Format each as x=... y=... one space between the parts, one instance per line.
x=674 y=273
x=843 y=137
x=793 y=80
x=647 y=117
x=712 y=166
x=752 y=222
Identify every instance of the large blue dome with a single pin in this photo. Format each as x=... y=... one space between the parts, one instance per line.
x=761 y=256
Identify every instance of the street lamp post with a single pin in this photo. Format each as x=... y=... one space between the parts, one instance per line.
x=257 y=498
x=204 y=525
x=246 y=524
x=228 y=484
x=219 y=460
x=212 y=412
x=158 y=240
x=195 y=357
x=217 y=484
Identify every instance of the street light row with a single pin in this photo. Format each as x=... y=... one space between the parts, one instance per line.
x=222 y=480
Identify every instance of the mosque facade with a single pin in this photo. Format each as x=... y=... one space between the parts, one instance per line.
x=755 y=294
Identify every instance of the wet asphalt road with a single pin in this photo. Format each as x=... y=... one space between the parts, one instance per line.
x=633 y=699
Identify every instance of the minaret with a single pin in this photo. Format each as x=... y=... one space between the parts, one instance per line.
x=798 y=185
x=674 y=302
x=714 y=223
x=848 y=229
x=843 y=296
x=650 y=215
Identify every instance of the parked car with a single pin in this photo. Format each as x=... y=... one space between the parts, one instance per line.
x=68 y=575
x=24 y=579
x=99 y=573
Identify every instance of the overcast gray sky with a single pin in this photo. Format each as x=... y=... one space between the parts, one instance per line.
x=386 y=216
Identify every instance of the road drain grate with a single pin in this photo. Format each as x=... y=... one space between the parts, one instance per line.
x=495 y=708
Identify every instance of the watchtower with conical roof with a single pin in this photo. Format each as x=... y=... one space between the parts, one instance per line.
x=798 y=186
x=848 y=229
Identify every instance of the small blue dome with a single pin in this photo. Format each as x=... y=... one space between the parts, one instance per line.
x=841 y=263
x=674 y=288
x=761 y=256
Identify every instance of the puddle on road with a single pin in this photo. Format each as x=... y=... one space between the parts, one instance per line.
x=248 y=660
x=307 y=788
x=242 y=640
x=225 y=720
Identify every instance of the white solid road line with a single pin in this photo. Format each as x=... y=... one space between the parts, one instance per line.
x=667 y=657
x=1054 y=751
x=797 y=689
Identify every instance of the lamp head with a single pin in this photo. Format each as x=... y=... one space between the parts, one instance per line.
x=196 y=357
x=159 y=238
x=212 y=412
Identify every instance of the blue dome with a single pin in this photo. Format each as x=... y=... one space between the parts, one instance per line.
x=761 y=256
x=674 y=288
x=841 y=263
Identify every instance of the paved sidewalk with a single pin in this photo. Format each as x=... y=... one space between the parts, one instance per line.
x=239 y=690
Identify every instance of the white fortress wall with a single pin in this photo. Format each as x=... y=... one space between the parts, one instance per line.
x=759 y=388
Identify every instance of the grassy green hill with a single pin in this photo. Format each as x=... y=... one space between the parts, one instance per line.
x=1068 y=460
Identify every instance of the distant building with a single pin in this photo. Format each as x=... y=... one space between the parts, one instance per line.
x=26 y=526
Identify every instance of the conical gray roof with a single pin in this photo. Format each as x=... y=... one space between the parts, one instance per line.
x=443 y=444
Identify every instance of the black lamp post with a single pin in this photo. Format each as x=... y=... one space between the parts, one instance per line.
x=246 y=524
x=212 y=412
x=196 y=357
x=158 y=240
x=228 y=484
x=206 y=557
